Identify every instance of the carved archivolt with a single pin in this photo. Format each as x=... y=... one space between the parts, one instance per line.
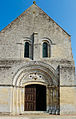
x=36 y=72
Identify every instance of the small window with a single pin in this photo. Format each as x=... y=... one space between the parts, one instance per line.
x=26 y=50
x=45 y=49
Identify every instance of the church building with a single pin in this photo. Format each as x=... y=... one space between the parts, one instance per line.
x=37 y=71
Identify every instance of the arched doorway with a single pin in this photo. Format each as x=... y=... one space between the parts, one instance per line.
x=35 y=98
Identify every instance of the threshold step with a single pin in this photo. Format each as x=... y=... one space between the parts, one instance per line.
x=36 y=112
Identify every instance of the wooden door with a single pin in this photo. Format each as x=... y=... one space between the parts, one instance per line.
x=30 y=98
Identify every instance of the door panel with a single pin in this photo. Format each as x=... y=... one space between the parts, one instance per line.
x=35 y=98
x=30 y=98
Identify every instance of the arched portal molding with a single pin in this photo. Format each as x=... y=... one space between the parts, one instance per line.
x=35 y=75
x=47 y=72
x=31 y=83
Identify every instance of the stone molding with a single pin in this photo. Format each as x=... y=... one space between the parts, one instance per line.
x=36 y=67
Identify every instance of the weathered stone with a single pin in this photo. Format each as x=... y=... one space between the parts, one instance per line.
x=56 y=71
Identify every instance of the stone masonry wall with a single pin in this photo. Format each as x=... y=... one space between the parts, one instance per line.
x=13 y=37
x=36 y=27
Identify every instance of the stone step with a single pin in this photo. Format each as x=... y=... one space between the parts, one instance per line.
x=35 y=113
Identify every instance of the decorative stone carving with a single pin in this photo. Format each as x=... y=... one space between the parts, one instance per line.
x=34 y=76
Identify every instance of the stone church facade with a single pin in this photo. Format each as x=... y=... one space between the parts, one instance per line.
x=36 y=66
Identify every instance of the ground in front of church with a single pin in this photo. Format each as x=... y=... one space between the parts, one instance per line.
x=29 y=116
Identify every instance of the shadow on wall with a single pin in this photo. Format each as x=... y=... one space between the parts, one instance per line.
x=55 y=94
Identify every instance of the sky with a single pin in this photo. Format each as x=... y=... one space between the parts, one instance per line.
x=63 y=12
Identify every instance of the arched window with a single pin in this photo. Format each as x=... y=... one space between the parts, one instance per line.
x=45 y=49
x=26 y=49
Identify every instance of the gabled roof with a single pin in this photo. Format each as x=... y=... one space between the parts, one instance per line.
x=34 y=4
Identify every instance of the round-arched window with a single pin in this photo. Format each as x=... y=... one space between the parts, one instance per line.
x=45 y=49
x=26 y=49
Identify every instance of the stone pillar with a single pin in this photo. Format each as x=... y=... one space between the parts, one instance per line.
x=11 y=100
x=36 y=47
x=47 y=98
x=14 y=100
x=53 y=100
x=22 y=99
x=18 y=100
x=50 y=101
